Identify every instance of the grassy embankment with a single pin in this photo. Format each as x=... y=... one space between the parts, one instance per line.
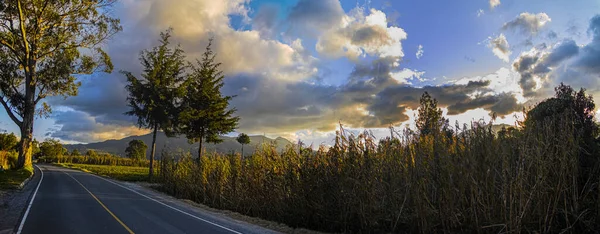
x=125 y=173
x=11 y=179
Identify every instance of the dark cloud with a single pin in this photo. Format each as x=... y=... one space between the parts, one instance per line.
x=540 y=65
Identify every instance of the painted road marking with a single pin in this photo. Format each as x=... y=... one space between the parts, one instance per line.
x=102 y=204
x=180 y=211
x=30 y=202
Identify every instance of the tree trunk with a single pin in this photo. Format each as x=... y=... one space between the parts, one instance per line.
x=151 y=173
x=200 y=151
x=25 y=149
x=242 y=150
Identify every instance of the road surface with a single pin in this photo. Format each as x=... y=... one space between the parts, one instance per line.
x=70 y=201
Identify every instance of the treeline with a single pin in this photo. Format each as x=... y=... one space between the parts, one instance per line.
x=538 y=176
x=52 y=151
x=105 y=159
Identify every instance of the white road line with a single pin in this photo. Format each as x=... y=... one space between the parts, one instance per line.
x=31 y=202
x=180 y=211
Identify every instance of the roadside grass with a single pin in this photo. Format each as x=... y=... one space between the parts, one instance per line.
x=124 y=173
x=11 y=179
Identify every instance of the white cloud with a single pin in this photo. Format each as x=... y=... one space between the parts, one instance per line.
x=494 y=3
x=359 y=34
x=420 y=52
x=500 y=47
x=480 y=12
x=528 y=22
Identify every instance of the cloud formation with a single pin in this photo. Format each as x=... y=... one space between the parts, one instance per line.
x=543 y=67
x=358 y=35
x=528 y=23
x=494 y=3
x=420 y=52
x=275 y=80
x=500 y=47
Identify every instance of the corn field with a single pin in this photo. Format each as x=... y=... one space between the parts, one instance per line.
x=472 y=180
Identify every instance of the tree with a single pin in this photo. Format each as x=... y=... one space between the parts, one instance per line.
x=91 y=153
x=52 y=148
x=43 y=44
x=153 y=98
x=204 y=113
x=580 y=107
x=8 y=141
x=431 y=119
x=75 y=152
x=244 y=140
x=136 y=150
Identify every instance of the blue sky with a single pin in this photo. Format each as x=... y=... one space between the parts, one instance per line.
x=300 y=67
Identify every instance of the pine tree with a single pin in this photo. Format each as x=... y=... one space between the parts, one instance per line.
x=154 y=97
x=431 y=119
x=205 y=112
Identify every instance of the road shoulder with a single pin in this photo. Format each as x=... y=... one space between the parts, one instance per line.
x=13 y=203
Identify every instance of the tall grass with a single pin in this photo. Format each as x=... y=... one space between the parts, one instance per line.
x=8 y=159
x=473 y=180
x=96 y=160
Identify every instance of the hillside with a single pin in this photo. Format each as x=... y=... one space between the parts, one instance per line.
x=229 y=144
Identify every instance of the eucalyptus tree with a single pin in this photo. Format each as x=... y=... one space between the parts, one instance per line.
x=43 y=44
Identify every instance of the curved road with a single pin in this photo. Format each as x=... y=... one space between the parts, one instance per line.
x=69 y=201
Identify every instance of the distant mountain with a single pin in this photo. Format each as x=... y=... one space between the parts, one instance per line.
x=229 y=144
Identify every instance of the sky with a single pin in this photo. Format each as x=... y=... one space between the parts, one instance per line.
x=300 y=68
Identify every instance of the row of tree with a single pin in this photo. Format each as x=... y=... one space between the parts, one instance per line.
x=179 y=97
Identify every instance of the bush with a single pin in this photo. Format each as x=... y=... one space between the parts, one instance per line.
x=8 y=159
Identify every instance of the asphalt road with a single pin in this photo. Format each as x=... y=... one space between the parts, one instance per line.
x=70 y=201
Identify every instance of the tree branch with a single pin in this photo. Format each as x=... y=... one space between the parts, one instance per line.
x=10 y=113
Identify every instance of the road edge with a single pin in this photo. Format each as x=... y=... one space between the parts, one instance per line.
x=19 y=226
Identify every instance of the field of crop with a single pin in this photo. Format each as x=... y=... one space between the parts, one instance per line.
x=124 y=173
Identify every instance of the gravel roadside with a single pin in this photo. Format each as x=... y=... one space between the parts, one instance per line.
x=14 y=202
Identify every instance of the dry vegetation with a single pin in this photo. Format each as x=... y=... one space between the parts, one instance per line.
x=535 y=178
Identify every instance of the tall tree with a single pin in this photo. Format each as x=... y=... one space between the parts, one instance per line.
x=153 y=98
x=8 y=141
x=205 y=112
x=52 y=148
x=431 y=119
x=75 y=152
x=43 y=43
x=244 y=140
x=136 y=150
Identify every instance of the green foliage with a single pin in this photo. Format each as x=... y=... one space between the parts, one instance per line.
x=12 y=179
x=154 y=97
x=52 y=148
x=136 y=150
x=43 y=44
x=105 y=159
x=8 y=159
x=124 y=173
x=430 y=118
x=75 y=152
x=8 y=141
x=91 y=153
x=244 y=140
x=205 y=113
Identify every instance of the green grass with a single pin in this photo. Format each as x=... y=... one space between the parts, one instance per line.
x=11 y=179
x=124 y=173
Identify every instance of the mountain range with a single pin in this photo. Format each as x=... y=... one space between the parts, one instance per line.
x=173 y=144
